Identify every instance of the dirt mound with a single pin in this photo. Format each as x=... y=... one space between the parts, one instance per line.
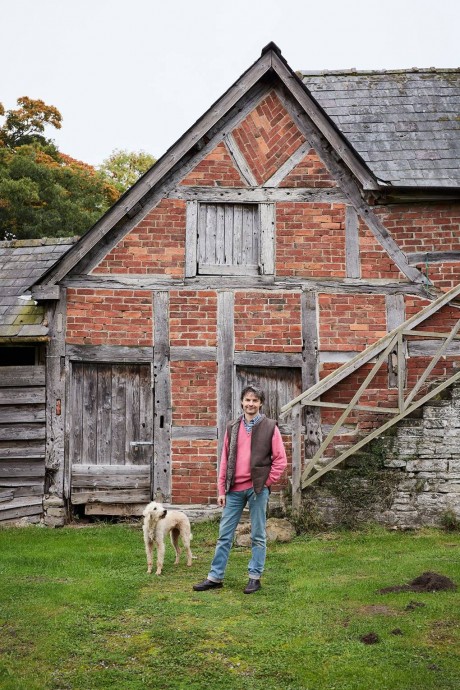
x=426 y=582
x=370 y=638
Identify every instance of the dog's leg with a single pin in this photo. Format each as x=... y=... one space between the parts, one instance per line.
x=160 y=555
x=186 y=536
x=149 y=552
x=175 y=542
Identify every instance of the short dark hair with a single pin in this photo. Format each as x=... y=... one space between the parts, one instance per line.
x=258 y=392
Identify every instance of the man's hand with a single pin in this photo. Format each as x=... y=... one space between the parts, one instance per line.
x=221 y=501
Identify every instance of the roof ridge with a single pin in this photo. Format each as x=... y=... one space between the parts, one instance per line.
x=355 y=71
x=41 y=242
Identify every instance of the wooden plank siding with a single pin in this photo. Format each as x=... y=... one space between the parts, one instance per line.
x=22 y=442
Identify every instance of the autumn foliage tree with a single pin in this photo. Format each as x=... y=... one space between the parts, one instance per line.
x=45 y=193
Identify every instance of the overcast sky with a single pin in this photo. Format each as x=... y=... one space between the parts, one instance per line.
x=135 y=74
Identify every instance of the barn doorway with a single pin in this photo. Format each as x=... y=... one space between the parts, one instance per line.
x=110 y=425
x=280 y=385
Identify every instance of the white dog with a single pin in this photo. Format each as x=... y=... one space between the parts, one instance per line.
x=157 y=523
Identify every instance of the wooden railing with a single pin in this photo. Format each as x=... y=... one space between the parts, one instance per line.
x=394 y=345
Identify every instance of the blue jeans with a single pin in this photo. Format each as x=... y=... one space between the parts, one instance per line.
x=234 y=505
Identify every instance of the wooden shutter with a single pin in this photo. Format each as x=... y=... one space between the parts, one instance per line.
x=228 y=239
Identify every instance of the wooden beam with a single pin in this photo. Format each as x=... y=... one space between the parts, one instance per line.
x=287 y=167
x=239 y=160
x=396 y=314
x=194 y=433
x=415 y=258
x=162 y=397
x=310 y=369
x=56 y=398
x=108 y=353
x=191 y=238
x=267 y=359
x=345 y=286
x=225 y=354
x=428 y=348
x=267 y=238
x=296 y=460
x=49 y=293
x=255 y=195
x=344 y=406
x=352 y=253
x=193 y=354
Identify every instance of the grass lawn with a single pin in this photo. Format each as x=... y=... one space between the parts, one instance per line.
x=78 y=611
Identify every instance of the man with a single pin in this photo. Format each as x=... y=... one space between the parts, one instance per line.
x=253 y=458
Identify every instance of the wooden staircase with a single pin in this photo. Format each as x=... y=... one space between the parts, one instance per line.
x=392 y=349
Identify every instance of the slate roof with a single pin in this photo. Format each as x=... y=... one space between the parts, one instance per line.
x=405 y=124
x=22 y=262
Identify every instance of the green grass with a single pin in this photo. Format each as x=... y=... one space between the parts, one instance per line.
x=79 y=612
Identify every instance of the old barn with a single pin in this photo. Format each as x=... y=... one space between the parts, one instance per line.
x=304 y=234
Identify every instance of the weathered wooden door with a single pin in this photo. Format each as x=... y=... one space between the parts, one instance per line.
x=278 y=384
x=110 y=434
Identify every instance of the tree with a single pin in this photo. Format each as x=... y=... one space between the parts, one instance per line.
x=26 y=124
x=123 y=168
x=45 y=193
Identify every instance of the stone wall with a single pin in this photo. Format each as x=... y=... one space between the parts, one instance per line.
x=418 y=480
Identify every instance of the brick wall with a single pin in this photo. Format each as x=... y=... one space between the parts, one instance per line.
x=194 y=473
x=194 y=397
x=310 y=240
x=216 y=169
x=109 y=317
x=350 y=322
x=310 y=172
x=427 y=228
x=268 y=321
x=374 y=259
x=193 y=317
x=267 y=137
x=156 y=245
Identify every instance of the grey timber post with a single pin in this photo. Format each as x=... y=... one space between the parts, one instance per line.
x=55 y=456
x=310 y=373
x=396 y=315
x=225 y=349
x=312 y=415
x=162 y=397
x=352 y=262
x=296 y=459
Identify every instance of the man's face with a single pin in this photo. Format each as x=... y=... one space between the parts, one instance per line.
x=251 y=405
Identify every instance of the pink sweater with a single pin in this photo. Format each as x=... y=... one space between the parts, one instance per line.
x=243 y=461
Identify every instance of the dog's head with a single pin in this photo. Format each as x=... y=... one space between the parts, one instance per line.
x=155 y=511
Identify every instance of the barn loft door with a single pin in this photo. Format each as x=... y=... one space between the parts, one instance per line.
x=228 y=239
x=111 y=433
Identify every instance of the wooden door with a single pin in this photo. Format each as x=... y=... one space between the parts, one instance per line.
x=110 y=433
x=280 y=385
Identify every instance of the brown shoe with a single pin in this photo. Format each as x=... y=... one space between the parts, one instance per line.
x=252 y=586
x=207 y=584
